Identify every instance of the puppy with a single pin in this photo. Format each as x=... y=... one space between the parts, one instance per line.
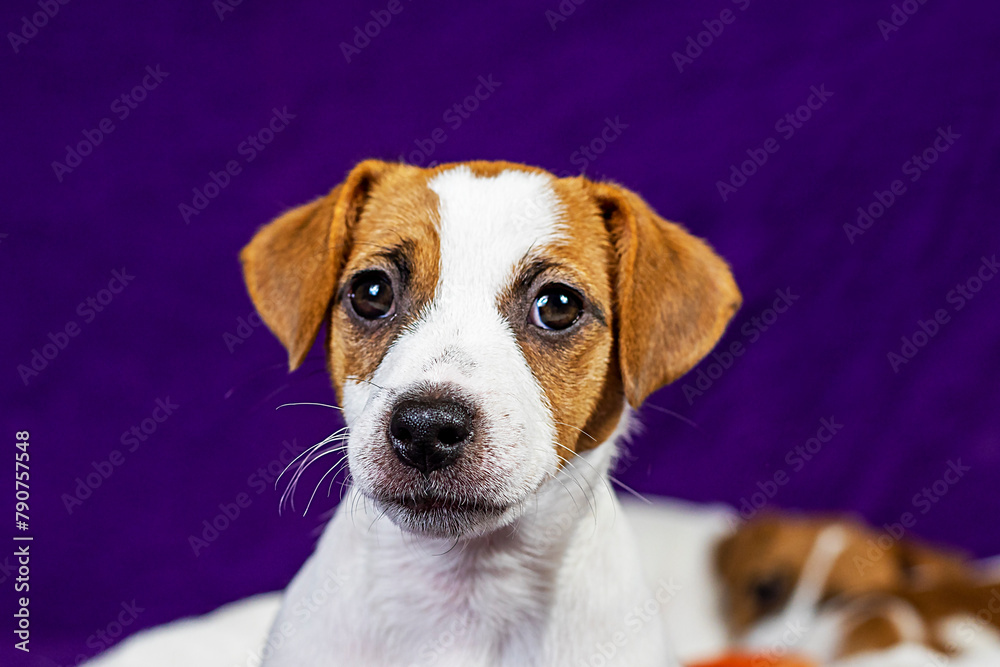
x=489 y=328
x=831 y=587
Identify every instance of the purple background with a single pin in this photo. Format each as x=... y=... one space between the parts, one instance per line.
x=163 y=336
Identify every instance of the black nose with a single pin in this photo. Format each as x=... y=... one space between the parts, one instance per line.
x=429 y=434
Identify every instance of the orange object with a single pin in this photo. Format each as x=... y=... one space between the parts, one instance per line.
x=755 y=660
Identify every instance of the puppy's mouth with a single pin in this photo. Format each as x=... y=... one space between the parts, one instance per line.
x=443 y=516
x=430 y=503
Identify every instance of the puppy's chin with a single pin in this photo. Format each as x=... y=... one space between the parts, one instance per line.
x=435 y=517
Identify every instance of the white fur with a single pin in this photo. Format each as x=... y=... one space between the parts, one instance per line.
x=555 y=580
x=552 y=589
x=801 y=626
x=230 y=636
x=487 y=226
x=675 y=539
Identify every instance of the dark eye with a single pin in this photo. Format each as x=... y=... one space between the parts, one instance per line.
x=371 y=295
x=769 y=592
x=556 y=307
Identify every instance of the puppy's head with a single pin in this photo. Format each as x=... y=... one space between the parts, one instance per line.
x=486 y=322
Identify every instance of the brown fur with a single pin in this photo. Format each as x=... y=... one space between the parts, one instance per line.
x=399 y=213
x=935 y=582
x=663 y=296
x=675 y=296
x=874 y=633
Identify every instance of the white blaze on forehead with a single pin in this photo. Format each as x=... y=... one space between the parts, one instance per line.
x=487 y=225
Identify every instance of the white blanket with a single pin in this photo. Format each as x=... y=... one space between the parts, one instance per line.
x=676 y=539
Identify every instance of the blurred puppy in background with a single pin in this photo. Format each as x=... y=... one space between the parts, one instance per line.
x=831 y=587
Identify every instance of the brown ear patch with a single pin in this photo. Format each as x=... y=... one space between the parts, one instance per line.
x=663 y=294
x=875 y=633
x=665 y=298
x=576 y=371
x=287 y=271
x=674 y=295
x=291 y=265
x=924 y=566
x=397 y=234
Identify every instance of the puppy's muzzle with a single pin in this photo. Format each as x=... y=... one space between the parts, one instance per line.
x=429 y=434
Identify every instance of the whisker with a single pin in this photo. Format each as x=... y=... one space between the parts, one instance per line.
x=267 y=399
x=324 y=405
x=289 y=491
x=330 y=438
x=674 y=414
x=590 y=498
x=602 y=478
x=345 y=485
x=320 y=483
x=571 y=464
x=259 y=372
x=565 y=488
x=376 y=519
x=577 y=457
x=343 y=462
x=308 y=454
x=452 y=547
x=302 y=468
x=631 y=490
x=578 y=429
x=361 y=379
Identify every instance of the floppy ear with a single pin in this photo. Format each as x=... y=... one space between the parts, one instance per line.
x=292 y=264
x=674 y=295
x=723 y=554
x=925 y=566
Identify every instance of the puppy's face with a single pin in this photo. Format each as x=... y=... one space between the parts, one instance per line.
x=487 y=322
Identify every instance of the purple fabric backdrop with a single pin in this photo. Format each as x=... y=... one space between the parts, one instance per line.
x=663 y=98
